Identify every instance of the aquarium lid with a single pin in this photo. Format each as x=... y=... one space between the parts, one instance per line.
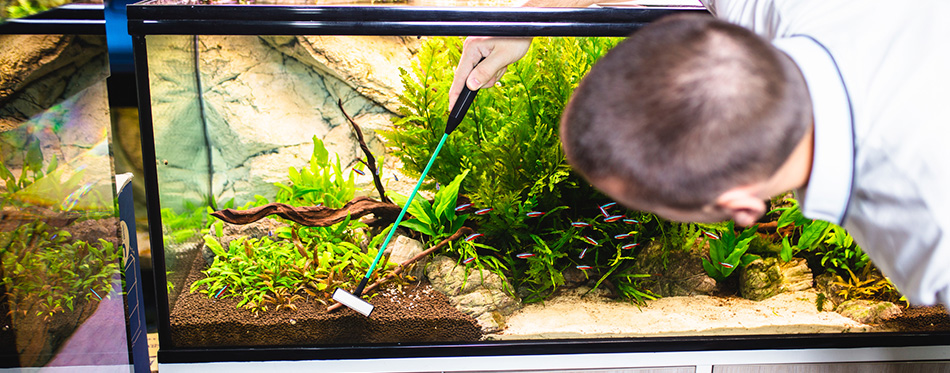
x=180 y=18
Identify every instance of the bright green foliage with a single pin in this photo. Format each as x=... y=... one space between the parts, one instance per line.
x=509 y=139
x=319 y=183
x=832 y=244
x=437 y=219
x=23 y=8
x=45 y=271
x=276 y=271
x=728 y=252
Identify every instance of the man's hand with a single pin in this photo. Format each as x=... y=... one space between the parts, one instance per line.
x=499 y=52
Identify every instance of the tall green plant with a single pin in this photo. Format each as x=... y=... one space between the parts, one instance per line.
x=320 y=182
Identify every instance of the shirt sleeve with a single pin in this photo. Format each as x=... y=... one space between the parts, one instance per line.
x=760 y=16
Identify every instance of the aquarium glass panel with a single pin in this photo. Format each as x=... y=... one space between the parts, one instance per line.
x=282 y=162
x=61 y=301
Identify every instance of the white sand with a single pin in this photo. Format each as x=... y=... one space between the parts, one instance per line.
x=573 y=316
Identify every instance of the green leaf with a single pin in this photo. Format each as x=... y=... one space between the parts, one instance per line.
x=446 y=198
x=420 y=209
x=418 y=226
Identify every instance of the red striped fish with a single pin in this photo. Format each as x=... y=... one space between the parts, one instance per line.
x=629 y=246
x=584 y=267
x=711 y=235
x=727 y=265
x=473 y=236
x=220 y=291
x=622 y=236
x=613 y=218
x=534 y=214
x=608 y=205
x=469 y=260
x=583 y=252
x=359 y=172
x=524 y=255
x=580 y=224
x=631 y=221
x=463 y=206
x=483 y=211
x=590 y=241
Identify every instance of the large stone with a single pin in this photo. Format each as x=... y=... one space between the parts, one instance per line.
x=479 y=293
x=404 y=248
x=767 y=277
x=674 y=272
x=867 y=311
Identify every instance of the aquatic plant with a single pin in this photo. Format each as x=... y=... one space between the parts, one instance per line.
x=727 y=251
x=23 y=8
x=318 y=183
x=47 y=272
x=831 y=244
x=438 y=219
x=509 y=140
x=869 y=284
x=278 y=270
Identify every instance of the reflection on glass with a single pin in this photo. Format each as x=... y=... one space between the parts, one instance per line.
x=59 y=245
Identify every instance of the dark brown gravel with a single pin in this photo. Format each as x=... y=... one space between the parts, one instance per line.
x=415 y=314
x=920 y=319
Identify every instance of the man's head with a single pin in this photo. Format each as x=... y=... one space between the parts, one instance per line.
x=686 y=118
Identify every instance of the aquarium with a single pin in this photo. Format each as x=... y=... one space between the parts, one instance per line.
x=62 y=301
x=282 y=140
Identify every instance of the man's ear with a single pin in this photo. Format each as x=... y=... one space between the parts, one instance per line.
x=742 y=204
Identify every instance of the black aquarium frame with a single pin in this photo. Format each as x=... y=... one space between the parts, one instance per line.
x=161 y=17
x=69 y=19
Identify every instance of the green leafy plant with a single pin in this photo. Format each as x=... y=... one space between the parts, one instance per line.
x=47 y=272
x=728 y=252
x=296 y=262
x=437 y=219
x=810 y=233
x=319 y=183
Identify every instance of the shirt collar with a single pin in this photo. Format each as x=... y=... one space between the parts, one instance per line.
x=827 y=195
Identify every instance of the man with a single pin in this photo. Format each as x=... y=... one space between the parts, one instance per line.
x=696 y=119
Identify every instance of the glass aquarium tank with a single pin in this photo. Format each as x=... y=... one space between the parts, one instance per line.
x=282 y=139
x=62 y=302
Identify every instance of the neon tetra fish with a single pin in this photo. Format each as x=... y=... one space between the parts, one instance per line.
x=359 y=172
x=613 y=218
x=220 y=291
x=590 y=240
x=534 y=214
x=624 y=235
x=629 y=246
x=483 y=211
x=583 y=252
x=631 y=221
x=524 y=255
x=469 y=260
x=584 y=267
x=711 y=235
x=463 y=206
x=473 y=236
x=579 y=224
x=727 y=265
x=608 y=205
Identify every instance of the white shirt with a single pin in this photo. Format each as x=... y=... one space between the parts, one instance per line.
x=879 y=74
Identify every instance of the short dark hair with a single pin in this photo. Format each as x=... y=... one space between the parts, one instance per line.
x=685 y=109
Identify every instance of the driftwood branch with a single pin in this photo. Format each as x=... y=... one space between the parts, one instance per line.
x=370 y=159
x=462 y=232
x=315 y=216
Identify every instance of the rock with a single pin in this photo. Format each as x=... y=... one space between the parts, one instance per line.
x=39 y=71
x=686 y=277
x=404 y=248
x=368 y=64
x=867 y=311
x=261 y=228
x=479 y=293
x=255 y=117
x=767 y=277
x=827 y=284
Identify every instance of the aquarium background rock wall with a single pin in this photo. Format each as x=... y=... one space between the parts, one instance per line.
x=261 y=100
